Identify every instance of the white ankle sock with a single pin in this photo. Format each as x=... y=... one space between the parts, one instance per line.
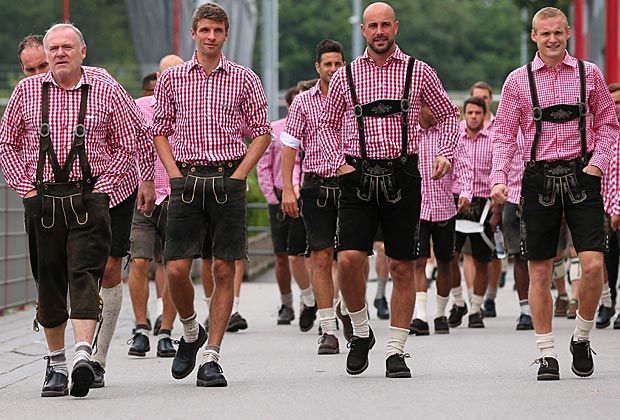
x=476 y=303
x=606 y=295
x=359 y=320
x=582 y=328
x=546 y=345
x=211 y=354
x=525 y=307
x=287 y=300
x=112 y=303
x=190 y=328
x=327 y=318
x=421 y=298
x=442 y=302
x=457 y=293
x=58 y=361
x=397 y=337
x=381 y=283
x=83 y=351
x=307 y=297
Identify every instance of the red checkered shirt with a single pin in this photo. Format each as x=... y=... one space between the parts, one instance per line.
x=110 y=135
x=145 y=147
x=557 y=141
x=146 y=104
x=302 y=123
x=206 y=112
x=269 y=168
x=383 y=135
x=479 y=149
x=437 y=195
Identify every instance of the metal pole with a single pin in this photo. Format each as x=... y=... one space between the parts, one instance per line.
x=66 y=15
x=270 y=55
x=176 y=27
x=524 y=37
x=355 y=20
x=612 y=50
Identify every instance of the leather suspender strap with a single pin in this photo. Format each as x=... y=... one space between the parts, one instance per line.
x=582 y=110
x=536 y=111
x=78 y=143
x=45 y=143
x=357 y=110
x=405 y=112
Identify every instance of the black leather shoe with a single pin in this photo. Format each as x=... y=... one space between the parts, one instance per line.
x=165 y=348
x=456 y=315
x=475 y=320
x=157 y=325
x=357 y=359
x=307 y=317
x=185 y=359
x=617 y=323
x=82 y=377
x=525 y=323
x=441 y=325
x=383 y=311
x=139 y=345
x=419 y=327
x=236 y=323
x=583 y=364
x=549 y=370
x=99 y=375
x=56 y=384
x=210 y=374
x=285 y=315
x=489 y=309
x=603 y=320
x=395 y=366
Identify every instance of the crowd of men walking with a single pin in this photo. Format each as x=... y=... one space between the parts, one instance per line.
x=371 y=156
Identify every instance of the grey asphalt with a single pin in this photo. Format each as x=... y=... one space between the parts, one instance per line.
x=275 y=373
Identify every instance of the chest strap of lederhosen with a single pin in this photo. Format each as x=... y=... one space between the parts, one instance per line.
x=382 y=108
x=539 y=114
x=77 y=147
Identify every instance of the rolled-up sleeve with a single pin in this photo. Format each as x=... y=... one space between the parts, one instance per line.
x=330 y=122
x=505 y=130
x=254 y=106
x=164 y=116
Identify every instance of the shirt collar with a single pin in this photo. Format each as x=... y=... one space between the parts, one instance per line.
x=84 y=80
x=568 y=60
x=224 y=64
x=316 y=89
x=396 y=55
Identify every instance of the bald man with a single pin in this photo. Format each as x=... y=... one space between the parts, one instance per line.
x=369 y=137
x=148 y=235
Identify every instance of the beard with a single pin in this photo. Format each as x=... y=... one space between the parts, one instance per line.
x=475 y=128
x=388 y=45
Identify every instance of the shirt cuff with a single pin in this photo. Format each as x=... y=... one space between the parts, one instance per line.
x=289 y=140
x=498 y=177
x=446 y=152
x=24 y=187
x=467 y=195
x=600 y=161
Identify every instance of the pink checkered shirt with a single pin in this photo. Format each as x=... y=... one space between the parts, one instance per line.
x=516 y=172
x=146 y=104
x=437 y=195
x=206 y=112
x=269 y=168
x=110 y=135
x=338 y=132
x=558 y=141
x=302 y=123
x=609 y=185
x=479 y=149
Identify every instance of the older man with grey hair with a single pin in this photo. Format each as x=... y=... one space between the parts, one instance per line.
x=85 y=126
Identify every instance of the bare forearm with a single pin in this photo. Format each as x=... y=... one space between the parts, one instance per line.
x=288 y=164
x=162 y=145
x=255 y=151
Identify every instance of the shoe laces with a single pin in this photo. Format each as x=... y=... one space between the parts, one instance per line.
x=404 y=356
x=133 y=339
x=542 y=361
x=354 y=341
x=589 y=349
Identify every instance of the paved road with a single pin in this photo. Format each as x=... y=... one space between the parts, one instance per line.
x=275 y=373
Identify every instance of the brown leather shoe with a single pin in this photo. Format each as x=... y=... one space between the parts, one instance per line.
x=561 y=307
x=573 y=305
x=328 y=344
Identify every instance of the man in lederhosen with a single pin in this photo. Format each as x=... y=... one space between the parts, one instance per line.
x=567 y=117
x=374 y=150
x=319 y=190
x=65 y=143
x=205 y=102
